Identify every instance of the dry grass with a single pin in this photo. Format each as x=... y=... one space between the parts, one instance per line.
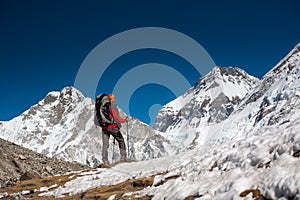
x=36 y=184
x=256 y=194
x=104 y=192
x=129 y=186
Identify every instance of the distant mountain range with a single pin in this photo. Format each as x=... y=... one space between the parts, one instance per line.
x=224 y=104
x=231 y=136
x=228 y=103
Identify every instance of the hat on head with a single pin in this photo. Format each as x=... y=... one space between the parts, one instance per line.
x=111 y=96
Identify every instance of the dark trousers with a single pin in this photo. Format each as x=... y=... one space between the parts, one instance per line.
x=115 y=132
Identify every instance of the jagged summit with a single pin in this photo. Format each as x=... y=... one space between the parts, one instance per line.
x=56 y=104
x=224 y=79
x=274 y=102
x=228 y=102
x=66 y=95
x=280 y=71
x=220 y=71
x=210 y=101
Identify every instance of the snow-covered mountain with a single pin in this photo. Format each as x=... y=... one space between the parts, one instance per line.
x=264 y=165
x=274 y=101
x=62 y=125
x=186 y=120
x=229 y=103
x=248 y=131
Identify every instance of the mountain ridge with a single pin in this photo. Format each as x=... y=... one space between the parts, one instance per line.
x=251 y=153
x=271 y=102
x=62 y=125
x=211 y=101
x=214 y=97
x=190 y=120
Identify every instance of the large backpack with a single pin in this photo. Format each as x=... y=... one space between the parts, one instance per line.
x=103 y=116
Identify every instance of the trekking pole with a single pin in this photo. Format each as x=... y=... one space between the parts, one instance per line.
x=127 y=139
x=113 y=153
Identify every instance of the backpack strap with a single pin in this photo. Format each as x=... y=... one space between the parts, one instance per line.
x=106 y=108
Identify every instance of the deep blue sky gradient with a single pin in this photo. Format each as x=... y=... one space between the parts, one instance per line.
x=43 y=43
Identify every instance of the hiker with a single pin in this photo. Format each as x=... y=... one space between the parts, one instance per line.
x=112 y=128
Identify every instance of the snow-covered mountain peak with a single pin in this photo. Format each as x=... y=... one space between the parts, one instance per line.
x=62 y=125
x=286 y=65
x=210 y=101
x=280 y=71
x=230 y=81
x=271 y=103
x=216 y=72
x=219 y=71
x=66 y=96
x=244 y=136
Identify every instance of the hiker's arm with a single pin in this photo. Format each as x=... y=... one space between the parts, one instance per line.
x=116 y=116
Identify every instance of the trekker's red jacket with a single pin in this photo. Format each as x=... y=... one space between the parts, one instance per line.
x=116 y=117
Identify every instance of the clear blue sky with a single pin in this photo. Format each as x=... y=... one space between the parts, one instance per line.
x=43 y=43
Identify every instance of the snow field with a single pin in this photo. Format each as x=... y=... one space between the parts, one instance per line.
x=263 y=161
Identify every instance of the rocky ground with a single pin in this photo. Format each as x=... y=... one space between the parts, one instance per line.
x=18 y=163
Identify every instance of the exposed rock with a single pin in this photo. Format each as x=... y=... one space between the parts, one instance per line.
x=297 y=154
x=14 y=166
x=22 y=157
x=29 y=175
x=256 y=194
x=207 y=98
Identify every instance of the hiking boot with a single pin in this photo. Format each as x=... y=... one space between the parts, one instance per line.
x=105 y=162
x=123 y=159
